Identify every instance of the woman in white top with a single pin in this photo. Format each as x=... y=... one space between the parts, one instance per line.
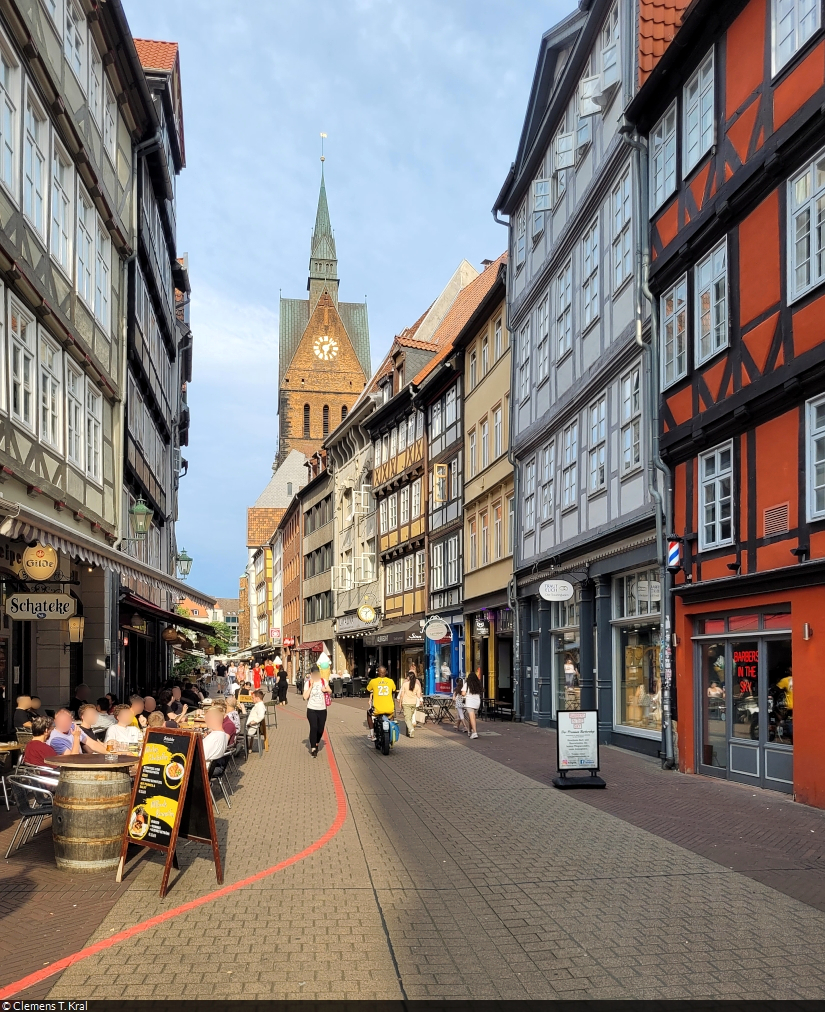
x=316 y=692
x=124 y=732
x=472 y=700
x=409 y=696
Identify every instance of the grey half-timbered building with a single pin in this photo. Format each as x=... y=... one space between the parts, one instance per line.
x=579 y=389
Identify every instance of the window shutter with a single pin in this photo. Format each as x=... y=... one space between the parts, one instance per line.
x=610 y=66
x=564 y=151
x=583 y=133
x=589 y=88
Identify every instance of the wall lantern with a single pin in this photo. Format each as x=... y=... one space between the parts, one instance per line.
x=76 y=626
x=184 y=562
x=140 y=518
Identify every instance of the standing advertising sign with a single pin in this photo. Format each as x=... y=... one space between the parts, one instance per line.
x=577 y=748
x=171 y=798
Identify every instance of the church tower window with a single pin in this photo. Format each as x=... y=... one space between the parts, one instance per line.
x=306 y=422
x=326 y=419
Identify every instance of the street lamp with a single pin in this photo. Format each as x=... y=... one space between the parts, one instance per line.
x=140 y=517
x=184 y=562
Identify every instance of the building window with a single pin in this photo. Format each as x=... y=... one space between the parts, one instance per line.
x=437 y=573
x=473 y=544
x=23 y=376
x=716 y=510
x=409 y=572
x=590 y=274
x=411 y=430
x=485 y=443
x=74 y=416
x=530 y=495
x=399 y=570
x=306 y=421
x=376 y=453
x=674 y=327
x=563 y=158
x=103 y=260
x=807 y=236
x=564 y=309
x=289 y=488
x=610 y=48
x=85 y=247
x=453 y=574
x=436 y=420
x=390 y=577
x=450 y=413
x=511 y=523
x=35 y=145
x=521 y=235
x=420 y=568
x=73 y=42
x=95 y=84
x=712 y=303
x=473 y=370
x=570 y=469
x=393 y=511
x=485 y=356
x=405 y=505
x=663 y=157
x=597 y=444
x=94 y=425
x=343 y=412
x=497 y=524
x=497 y=434
x=454 y=491
x=524 y=362
x=109 y=122
x=485 y=538
x=50 y=399
x=416 y=498
x=472 y=453
x=541 y=202
x=793 y=22
x=543 y=339
x=385 y=447
x=816 y=459
x=698 y=103
x=382 y=512
x=325 y=420
x=497 y=348
x=8 y=121
x=622 y=252
x=631 y=420
x=61 y=238
x=547 y=478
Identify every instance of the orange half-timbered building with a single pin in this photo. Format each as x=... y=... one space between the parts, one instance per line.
x=734 y=122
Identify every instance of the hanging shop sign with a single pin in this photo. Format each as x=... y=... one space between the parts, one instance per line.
x=32 y=607
x=481 y=628
x=11 y=557
x=40 y=562
x=436 y=629
x=289 y=641
x=556 y=590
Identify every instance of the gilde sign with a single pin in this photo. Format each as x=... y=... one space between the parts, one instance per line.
x=39 y=562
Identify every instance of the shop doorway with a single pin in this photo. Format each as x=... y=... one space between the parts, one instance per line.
x=746 y=705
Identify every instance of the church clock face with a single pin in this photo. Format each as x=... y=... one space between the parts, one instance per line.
x=326 y=348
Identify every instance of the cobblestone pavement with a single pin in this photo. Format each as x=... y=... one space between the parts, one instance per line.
x=454 y=876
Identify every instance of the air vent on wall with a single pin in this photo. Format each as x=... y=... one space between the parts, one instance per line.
x=776 y=520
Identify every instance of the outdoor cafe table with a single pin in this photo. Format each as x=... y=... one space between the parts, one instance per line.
x=90 y=809
x=10 y=746
x=439 y=706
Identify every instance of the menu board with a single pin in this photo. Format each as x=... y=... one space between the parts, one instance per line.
x=578 y=739
x=170 y=798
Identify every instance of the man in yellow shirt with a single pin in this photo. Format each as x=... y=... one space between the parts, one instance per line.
x=382 y=697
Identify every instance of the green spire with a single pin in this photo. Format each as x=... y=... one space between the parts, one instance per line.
x=323 y=241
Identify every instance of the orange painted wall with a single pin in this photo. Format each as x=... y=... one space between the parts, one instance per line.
x=759 y=259
x=800 y=85
x=777 y=473
x=742 y=531
x=716 y=569
x=807 y=605
x=809 y=326
x=744 y=50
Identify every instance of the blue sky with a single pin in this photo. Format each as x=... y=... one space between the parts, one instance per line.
x=422 y=102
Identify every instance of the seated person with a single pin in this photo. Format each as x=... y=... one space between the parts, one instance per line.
x=232 y=714
x=156 y=719
x=104 y=719
x=38 y=750
x=136 y=706
x=149 y=705
x=190 y=695
x=176 y=705
x=36 y=709
x=228 y=724
x=62 y=737
x=81 y=696
x=88 y=721
x=123 y=731
x=216 y=740
x=257 y=713
x=22 y=717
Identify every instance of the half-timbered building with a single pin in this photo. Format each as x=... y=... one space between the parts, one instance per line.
x=736 y=154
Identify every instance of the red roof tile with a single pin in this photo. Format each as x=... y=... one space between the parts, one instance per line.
x=156 y=55
x=659 y=21
x=467 y=301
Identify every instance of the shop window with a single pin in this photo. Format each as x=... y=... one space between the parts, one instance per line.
x=638 y=594
x=741 y=623
x=566 y=654
x=815 y=437
x=639 y=702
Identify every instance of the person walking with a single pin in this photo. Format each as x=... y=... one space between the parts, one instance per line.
x=458 y=699
x=409 y=696
x=472 y=700
x=316 y=693
x=283 y=686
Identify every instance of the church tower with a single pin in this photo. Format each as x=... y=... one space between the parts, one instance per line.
x=324 y=349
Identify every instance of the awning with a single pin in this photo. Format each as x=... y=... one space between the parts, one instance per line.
x=131 y=602
x=31 y=526
x=317 y=646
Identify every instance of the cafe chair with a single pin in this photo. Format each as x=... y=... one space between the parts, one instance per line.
x=257 y=740
x=241 y=744
x=217 y=772
x=33 y=805
x=6 y=766
x=43 y=776
x=272 y=714
x=24 y=736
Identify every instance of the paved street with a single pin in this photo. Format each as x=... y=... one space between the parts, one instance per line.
x=457 y=873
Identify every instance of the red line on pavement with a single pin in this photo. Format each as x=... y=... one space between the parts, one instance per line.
x=122 y=936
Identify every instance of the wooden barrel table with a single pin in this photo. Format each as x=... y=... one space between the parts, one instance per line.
x=90 y=809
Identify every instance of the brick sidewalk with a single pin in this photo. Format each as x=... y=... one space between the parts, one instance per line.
x=455 y=875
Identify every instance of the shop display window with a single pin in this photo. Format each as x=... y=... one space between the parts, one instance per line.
x=639 y=703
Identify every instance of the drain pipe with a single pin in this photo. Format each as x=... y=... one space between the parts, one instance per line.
x=650 y=350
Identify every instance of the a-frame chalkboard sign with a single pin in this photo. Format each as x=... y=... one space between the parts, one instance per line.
x=170 y=799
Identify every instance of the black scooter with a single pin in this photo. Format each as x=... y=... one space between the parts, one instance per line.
x=382 y=731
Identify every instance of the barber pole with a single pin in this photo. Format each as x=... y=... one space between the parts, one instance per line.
x=674 y=556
